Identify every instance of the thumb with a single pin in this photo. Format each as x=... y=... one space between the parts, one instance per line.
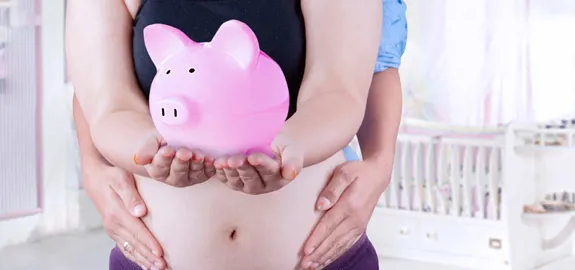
x=148 y=149
x=340 y=180
x=291 y=162
x=130 y=196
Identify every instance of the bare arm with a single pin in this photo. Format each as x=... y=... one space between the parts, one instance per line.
x=378 y=133
x=98 y=48
x=342 y=43
x=88 y=153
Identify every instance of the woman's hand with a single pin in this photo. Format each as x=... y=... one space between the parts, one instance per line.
x=179 y=168
x=258 y=173
x=114 y=193
x=349 y=199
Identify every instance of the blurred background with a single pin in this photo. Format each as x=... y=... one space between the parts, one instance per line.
x=482 y=63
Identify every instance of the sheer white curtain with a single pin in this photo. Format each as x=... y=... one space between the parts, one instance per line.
x=489 y=62
x=552 y=51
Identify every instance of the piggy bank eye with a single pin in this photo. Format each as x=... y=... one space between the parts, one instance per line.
x=192 y=70
x=168 y=71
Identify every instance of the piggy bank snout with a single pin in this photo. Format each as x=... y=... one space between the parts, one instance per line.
x=173 y=111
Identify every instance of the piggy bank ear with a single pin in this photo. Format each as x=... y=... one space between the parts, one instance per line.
x=163 y=41
x=238 y=40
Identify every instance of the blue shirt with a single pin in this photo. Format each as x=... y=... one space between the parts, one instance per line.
x=393 y=35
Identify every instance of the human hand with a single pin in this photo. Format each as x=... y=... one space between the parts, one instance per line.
x=259 y=173
x=178 y=168
x=349 y=199
x=116 y=197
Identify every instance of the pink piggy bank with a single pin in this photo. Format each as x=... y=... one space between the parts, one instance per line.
x=223 y=97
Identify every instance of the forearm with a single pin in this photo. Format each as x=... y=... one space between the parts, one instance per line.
x=324 y=125
x=378 y=133
x=98 y=50
x=89 y=155
x=111 y=140
x=342 y=43
x=119 y=135
x=118 y=152
x=99 y=57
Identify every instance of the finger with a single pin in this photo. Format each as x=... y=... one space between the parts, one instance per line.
x=129 y=195
x=134 y=255
x=253 y=184
x=148 y=149
x=197 y=170
x=336 y=251
x=233 y=176
x=137 y=246
x=336 y=242
x=219 y=165
x=131 y=254
x=159 y=169
x=118 y=223
x=326 y=225
x=180 y=168
x=291 y=162
x=339 y=182
x=269 y=171
x=267 y=167
x=209 y=168
x=143 y=262
x=133 y=230
x=127 y=253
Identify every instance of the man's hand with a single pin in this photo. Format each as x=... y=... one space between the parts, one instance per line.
x=114 y=193
x=349 y=199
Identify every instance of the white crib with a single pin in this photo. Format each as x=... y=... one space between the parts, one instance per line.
x=457 y=196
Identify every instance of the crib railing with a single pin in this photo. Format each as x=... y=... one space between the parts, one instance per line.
x=447 y=175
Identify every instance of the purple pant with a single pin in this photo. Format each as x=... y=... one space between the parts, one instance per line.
x=361 y=256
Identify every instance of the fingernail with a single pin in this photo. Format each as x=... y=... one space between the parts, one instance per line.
x=139 y=210
x=307 y=265
x=158 y=264
x=135 y=161
x=310 y=251
x=314 y=265
x=327 y=262
x=323 y=203
x=155 y=268
x=155 y=252
x=143 y=267
x=294 y=174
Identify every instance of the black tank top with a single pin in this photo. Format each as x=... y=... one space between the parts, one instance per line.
x=278 y=24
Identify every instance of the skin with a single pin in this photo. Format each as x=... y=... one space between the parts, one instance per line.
x=356 y=186
x=331 y=104
x=332 y=88
x=116 y=197
x=351 y=194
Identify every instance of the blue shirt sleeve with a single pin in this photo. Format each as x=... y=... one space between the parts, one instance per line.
x=393 y=35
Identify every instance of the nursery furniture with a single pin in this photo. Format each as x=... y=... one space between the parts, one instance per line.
x=457 y=195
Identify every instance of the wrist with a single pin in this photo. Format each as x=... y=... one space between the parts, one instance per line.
x=382 y=174
x=384 y=160
x=382 y=163
x=94 y=162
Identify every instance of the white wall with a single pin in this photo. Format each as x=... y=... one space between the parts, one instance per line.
x=59 y=174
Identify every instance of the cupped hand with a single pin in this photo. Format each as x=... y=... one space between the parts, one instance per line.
x=349 y=200
x=258 y=173
x=178 y=168
x=116 y=197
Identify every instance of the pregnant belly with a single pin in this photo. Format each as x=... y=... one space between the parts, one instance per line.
x=211 y=227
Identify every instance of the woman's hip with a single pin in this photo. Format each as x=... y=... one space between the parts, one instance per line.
x=361 y=256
